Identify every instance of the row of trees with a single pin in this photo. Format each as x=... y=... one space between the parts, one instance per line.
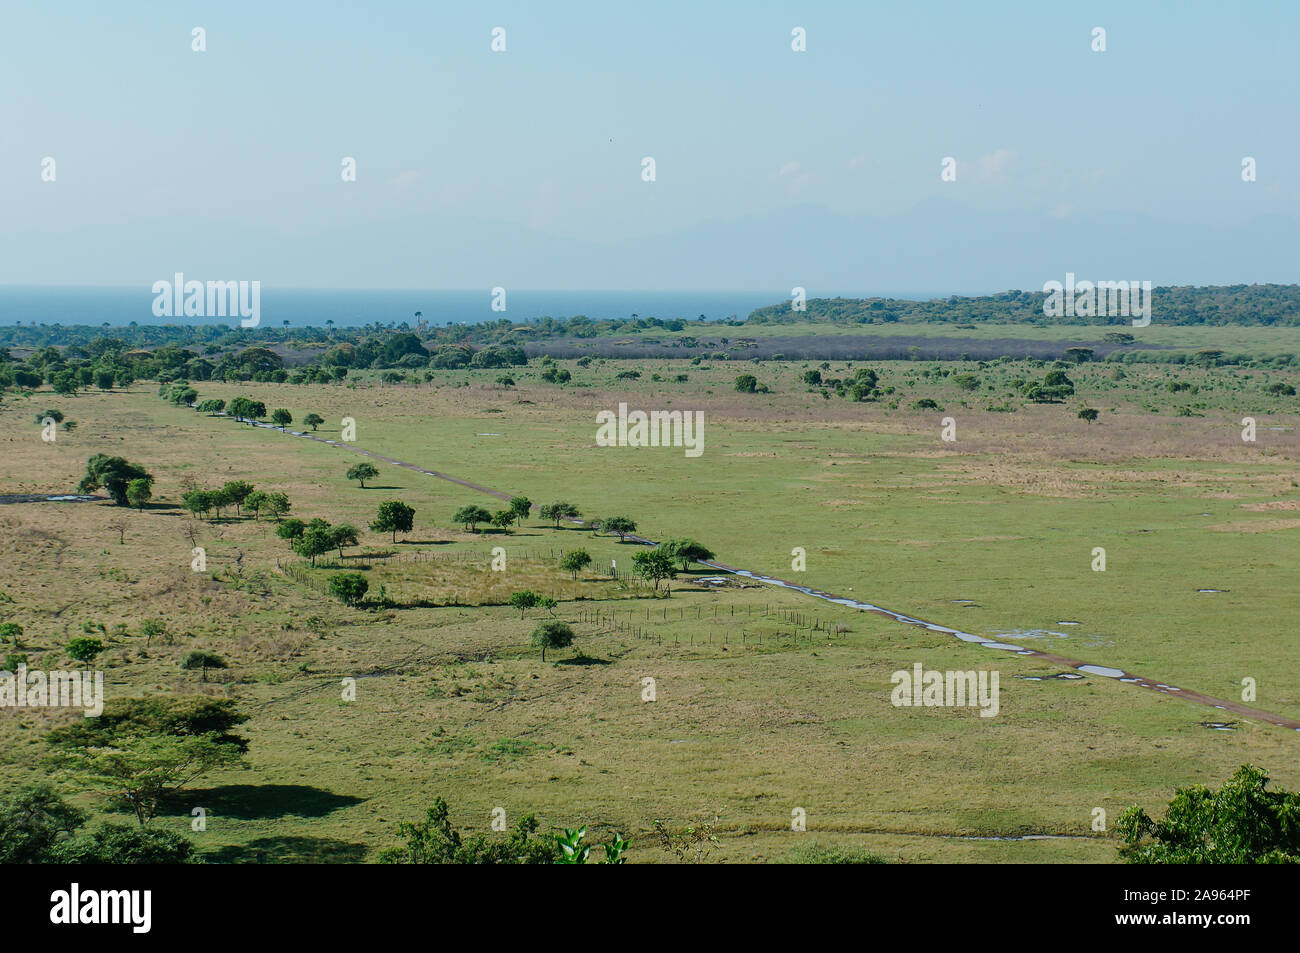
x=241 y=495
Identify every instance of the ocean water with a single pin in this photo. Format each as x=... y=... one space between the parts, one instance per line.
x=302 y=307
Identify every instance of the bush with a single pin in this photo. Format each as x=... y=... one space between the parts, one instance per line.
x=350 y=588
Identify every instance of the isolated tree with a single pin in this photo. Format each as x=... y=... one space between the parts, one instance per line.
x=523 y=601
x=552 y=634
x=142 y=750
x=560 y=511
x=686 y=551
x=350 y=588
x=138 y=493
x=84 y=649
x=1241 y=823
x=201 y=660
x=574 y=561
x=620 y=526
x=394 y=517
x=747 y=383
x=521 y=506
x=281 y=417
x=1088 y=413
x=152 y=629
x=362 y=472
x=345 y=534
x=471 y=516
x=113 y=474
x=655 y=565
x=51 y=414
x=313 y=421
x=236 y=491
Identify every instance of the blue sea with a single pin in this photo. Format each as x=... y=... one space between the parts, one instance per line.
x=302 y=307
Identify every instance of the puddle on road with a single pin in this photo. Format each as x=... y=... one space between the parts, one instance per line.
x=1060 y=676
x=1219 y=725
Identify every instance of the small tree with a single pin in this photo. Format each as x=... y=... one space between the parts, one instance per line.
x=686 y=551
x=313 y=421
x=575 y=561
x=345 y=534
x=314 y=541
x=349 y=587
x=255 y=501
x=236 y=491
x=84 y=649
x=747 y=383
x=552 y=635
x=503 y=519
x=1088 y=413
x=560 y=511
x=113 y=474
x=620 y=526
x=394 y=517
x=290 y=530
x=277 y=505
x=362 y=472
x=655 y=565
x=471 y=516
x=523 y=601
x=281 y=417
x=201 y=660
x=152 y=629
x=521 y=506
x=138 y=493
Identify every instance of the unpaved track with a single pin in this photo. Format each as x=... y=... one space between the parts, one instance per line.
x=1090 y=668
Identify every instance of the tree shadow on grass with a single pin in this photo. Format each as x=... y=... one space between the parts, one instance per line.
x=251 y=802
x=583 y=660
x=289 y=850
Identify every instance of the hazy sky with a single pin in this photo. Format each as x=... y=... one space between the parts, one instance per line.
x=523 y=168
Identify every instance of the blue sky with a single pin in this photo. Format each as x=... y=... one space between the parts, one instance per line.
x=523 y=168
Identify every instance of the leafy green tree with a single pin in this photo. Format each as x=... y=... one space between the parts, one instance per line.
x=558 y=511
x=197 y=502
x=281 y=417
x=747 y=383
x=138 y=493
x=655 y=565
x=521 y=506
x=316 y=540
x=291 y=530
x=211 y=407
x=277 y=504
x=350 y=588
x=524 y=600
x=113 y=474
x=202 y=660
x=394 y=517
x=141 y=750
x=435 y=841
x=50 y=414
x=687 y=551
x=503 y=519
x=345 y=534
x=255 y=501
x=120 y=844
x=362 y=472
x=313 y=421
x=84 y=649
x=470 y=516
x=1241 y=823
x=621 y=526
x=552 y=634
x=575 y=561
x=236 y=492
x=1087 y=413
x=33 y=822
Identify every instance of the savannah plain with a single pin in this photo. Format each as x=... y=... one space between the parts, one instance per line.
x=992 y=533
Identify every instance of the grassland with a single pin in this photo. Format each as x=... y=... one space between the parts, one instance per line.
x=992 y=533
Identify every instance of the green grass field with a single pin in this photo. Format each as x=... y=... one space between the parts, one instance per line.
x=992 y=533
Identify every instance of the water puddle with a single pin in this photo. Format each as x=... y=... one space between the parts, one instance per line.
x=1220 y=725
